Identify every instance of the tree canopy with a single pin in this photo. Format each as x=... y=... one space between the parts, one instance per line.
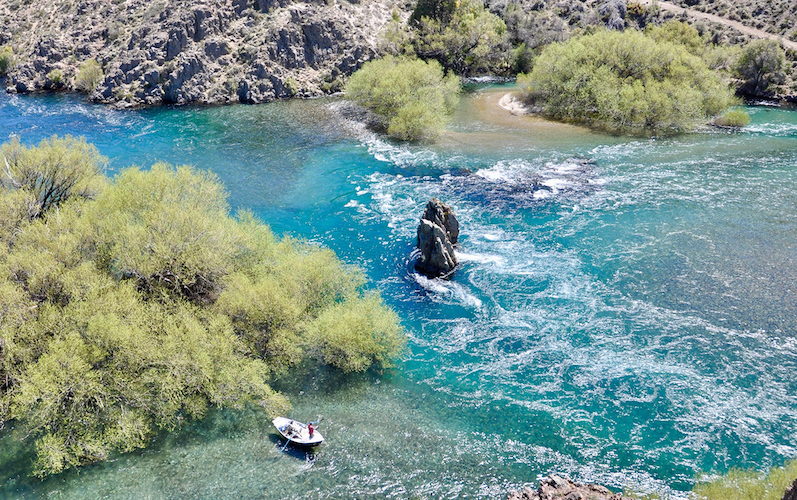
x=624 y=82
x=463 y=36
x=412 y=97
x=761 y=68
x=126 y=311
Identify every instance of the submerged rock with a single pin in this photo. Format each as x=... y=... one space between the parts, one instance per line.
x=438 y=232
x=557 y=488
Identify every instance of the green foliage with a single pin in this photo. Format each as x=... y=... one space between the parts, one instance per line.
x=439 y=10
x=132 y=310
x=56 y=77
x=89 y=75
x=357 y=333
x=467 y=39
x=678 y=32
x=740 y=484
x=54 y=171
x=735 y=118
x=719 y=57
x=624 y=82
x=761 y=68
x=6 y=59
x=165 y=228
x=411 y=96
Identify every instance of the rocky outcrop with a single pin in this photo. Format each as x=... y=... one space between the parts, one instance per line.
x=557 y=488
x=193 y=51
x=438 y=232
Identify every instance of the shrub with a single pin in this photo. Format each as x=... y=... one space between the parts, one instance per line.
x=54 y=171
x=624 y=82
x=740 y=484
x=126 y=313
x=89 y=75
x=761 y=68
x=411 y=96
x=735 y=118
x=56 y=77
x=6 y=59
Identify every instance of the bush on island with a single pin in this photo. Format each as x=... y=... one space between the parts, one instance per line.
x=734 y=118
x=136 y=302
x=624 y=82
x=411 y=97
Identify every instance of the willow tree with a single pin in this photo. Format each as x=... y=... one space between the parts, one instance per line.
x=412 y=97
x=147 y=303
x=624 y=82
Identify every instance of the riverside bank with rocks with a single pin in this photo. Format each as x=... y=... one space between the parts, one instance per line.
x=191 y=51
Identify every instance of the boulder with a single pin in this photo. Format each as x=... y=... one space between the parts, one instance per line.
x=438 y=232
x=558 y=488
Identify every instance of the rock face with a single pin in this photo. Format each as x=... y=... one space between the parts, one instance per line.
x=193 y=51
x=557 y=488
x=438 y=232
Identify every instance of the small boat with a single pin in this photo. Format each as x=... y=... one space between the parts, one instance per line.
x=297 y=432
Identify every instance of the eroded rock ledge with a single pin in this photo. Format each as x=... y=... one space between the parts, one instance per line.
x=192 y=51
x=558 y=488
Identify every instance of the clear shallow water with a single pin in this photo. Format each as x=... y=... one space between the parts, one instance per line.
x=633 y=324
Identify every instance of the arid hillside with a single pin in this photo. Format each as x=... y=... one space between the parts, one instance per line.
x=223 y=51
x=180 y=51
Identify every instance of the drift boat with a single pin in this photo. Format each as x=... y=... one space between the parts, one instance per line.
x=297 y=432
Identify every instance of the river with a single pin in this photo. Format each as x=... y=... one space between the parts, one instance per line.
x=625 y=311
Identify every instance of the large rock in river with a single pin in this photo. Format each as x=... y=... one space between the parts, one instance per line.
x=438 y=232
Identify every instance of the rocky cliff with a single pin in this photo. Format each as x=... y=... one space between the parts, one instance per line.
x=192 y=51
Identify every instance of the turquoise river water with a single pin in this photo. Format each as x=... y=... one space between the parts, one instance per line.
x=625 y=311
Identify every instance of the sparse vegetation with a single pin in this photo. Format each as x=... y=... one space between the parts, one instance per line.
x=624 y=82
x=411 y=97
x=145 y=303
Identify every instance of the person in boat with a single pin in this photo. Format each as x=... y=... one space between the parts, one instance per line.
x=311 y=429
x=293 y=430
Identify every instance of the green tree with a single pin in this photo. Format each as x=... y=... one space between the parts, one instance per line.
x=128 y=311
x=761 y=68
x=411 y=97
x=89 y=75
x=624 y=82
x=466 y=39
x=718 y=57
x=54 y=171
